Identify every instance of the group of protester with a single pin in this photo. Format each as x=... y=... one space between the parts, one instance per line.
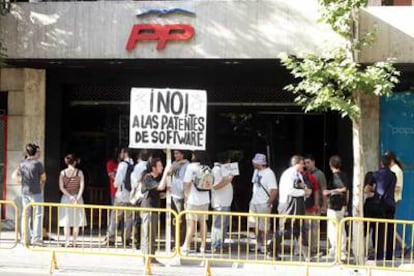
x=302 y=190
x=181 y=177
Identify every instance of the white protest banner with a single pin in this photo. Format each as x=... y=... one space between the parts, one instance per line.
x=230 y=169
x=168 y=118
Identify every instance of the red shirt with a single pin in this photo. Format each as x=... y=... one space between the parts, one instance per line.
x=315 y=189
x=111 y=167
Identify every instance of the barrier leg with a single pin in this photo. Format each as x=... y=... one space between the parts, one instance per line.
x=147 y=268
x=207 y=271
x=53 y=263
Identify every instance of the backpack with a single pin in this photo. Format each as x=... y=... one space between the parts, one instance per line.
x=127 y=179
x=204 y=180
x=137 y=195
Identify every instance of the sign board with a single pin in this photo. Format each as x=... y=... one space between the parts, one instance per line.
x=397 y=135
x=160 y=33
x=230 y=169
x=168 y=118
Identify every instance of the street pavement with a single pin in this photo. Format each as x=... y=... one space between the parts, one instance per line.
x=22 y=261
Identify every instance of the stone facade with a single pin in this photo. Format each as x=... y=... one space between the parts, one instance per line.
x=26 y=118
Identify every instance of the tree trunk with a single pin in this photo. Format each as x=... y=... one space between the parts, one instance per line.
x=357 y=196
x=365 y=132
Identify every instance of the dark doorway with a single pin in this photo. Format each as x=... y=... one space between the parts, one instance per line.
x=88 y=113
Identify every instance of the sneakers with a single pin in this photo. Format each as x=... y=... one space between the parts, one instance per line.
x=270 y=257
x=331 y=255
x=37 y=243
x=184 y=250
x=262 y=249
x=154 y=261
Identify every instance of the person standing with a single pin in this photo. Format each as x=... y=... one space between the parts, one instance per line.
x=153 y=190
x=177 y=172
x=385 y=181
x=71 y=184
x=136 y=177
x=264 y=195
x=397 y=168
x=195 y=200
x=121 y=199
x=221 y=198
x=321 y=181
x=312 y=209
x=293 y=191
x=33 y=178
x=111 y=166
x=336 y=192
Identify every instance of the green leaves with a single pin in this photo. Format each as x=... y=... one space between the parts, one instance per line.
x=330 y=84
x=333 y=84
x=341 y=14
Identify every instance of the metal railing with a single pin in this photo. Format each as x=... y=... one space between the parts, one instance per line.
x=9 y=237
x=384 y=243
x=257 y=238
x=100 y=229
x=234 y=238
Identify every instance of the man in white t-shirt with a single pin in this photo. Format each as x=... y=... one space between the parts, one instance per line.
x=292 y=193
x=121 y=199
x=221 y=198
x=264 y=194
x=195 y=200
x=136 y=177
x=178 y=168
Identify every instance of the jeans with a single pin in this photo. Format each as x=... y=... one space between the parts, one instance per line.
x=118 y=216
x=178 y=206
x=149 y=232
x=332 y=230
x=34 y=221
x=219 y=227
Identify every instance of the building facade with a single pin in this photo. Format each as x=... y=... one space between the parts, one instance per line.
x=72 y=65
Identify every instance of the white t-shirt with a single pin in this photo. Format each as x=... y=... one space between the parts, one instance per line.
x=195 y=197
x=224 y=196
x=400 y=179
x=177 y=184
x=267 y=178
x=286 y=185
x=122 y=194
x=136 y=174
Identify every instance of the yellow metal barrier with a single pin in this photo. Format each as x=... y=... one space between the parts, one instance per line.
x=382 y=249
x=69 y=231
x=9 y=239
x=255 y=238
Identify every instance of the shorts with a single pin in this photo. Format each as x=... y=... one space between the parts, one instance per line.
x=196 y=217
x=263 y=224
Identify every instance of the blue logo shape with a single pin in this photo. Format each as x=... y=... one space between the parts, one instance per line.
x=163 y=12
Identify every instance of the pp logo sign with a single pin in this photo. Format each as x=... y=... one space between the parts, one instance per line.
x=160 y=33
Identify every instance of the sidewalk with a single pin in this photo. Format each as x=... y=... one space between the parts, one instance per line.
x=21 y=261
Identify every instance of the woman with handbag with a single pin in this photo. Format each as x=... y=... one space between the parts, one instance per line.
x=72 y=184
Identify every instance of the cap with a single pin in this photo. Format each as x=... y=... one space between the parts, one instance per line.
x=259 y=159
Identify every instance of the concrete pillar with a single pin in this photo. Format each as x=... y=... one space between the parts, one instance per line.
x=26 y=119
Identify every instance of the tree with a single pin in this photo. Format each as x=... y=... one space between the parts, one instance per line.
x=342 y=84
